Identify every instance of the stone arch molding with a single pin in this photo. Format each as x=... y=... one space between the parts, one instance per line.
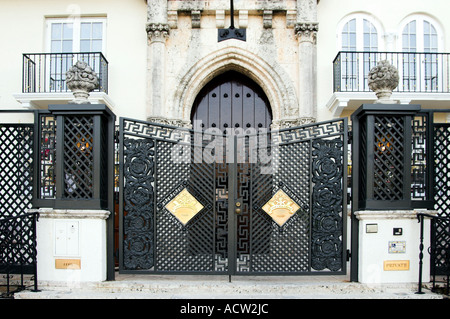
x=271 y=78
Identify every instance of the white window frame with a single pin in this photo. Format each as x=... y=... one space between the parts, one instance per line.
x=421 y=84
x=360 y=82
x=56 y=73
x=76 y=21
x=419 y=18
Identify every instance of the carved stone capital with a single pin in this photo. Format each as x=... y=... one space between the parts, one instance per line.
x=307 y=31
x=81 y=80
x=157 y=31
x=383 y=79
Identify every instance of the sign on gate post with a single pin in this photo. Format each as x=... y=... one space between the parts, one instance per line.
x=392 y=178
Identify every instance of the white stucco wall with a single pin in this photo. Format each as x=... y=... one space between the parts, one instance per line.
x=390 y=16
x=126 y=42
x=23 y=25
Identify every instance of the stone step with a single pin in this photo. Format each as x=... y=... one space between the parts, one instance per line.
x=219 y=287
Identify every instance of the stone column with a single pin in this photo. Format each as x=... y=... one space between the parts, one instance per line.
x=157 y=32
x=306 y=30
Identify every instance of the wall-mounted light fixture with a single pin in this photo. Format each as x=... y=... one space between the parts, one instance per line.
x=232 y=32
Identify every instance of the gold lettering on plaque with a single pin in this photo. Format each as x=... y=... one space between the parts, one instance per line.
x=392 y=265
x=67 y=263
x=281 y=207
x=184 y=206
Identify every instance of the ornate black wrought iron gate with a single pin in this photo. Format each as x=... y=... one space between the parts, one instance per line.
x=204 y=202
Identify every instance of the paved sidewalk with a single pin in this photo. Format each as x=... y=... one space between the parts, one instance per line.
x=219 y=287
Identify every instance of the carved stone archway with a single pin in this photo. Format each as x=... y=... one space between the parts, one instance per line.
x=270 y=77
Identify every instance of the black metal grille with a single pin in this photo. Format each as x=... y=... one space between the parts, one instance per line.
x=441 y=234
x=46 y=72
x=18 y=241
x=16 y=169
x=388 y=157
x=306 y=163
x=18 y=248
x=419 y=72
x=17 y=228
x=47 y=151
x=78 y=157
x=419 y=161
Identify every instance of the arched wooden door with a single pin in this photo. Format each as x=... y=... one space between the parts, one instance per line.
x=229 y=102
x=232 y=100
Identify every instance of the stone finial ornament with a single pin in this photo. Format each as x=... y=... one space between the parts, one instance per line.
x=383 y=79
x=81 y=80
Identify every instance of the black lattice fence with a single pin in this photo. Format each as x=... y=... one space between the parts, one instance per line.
x=78 y=157
x=16 y=168
x=440 y=250
x=18 y=250
x=441 y=229
x=17 y=228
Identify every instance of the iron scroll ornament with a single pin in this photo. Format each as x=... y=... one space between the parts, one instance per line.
x=327 y=227
x=138 y=223
x=231 y=32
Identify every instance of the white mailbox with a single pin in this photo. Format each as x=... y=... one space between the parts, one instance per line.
x=67 y=238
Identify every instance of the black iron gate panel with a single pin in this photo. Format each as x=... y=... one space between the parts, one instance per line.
x=440 y=234
x=172 y=221
x=251 y=203
x=292 y=201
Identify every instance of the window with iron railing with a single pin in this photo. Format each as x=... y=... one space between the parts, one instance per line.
x=72 y=35
x=420 y=72
x=359 y=33
x=421 y=65
x=68 y=41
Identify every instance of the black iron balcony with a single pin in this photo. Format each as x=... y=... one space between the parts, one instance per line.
x=419 y=72
x=46 y=72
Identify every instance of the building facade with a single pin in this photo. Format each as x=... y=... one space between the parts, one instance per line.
x=161 y=54
x=287 y=62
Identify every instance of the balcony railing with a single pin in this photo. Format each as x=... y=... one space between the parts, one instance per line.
x=418 y=72
x=46 y=72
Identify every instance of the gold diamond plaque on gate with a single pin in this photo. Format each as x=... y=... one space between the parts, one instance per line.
x=281 y=207
x=184 y=206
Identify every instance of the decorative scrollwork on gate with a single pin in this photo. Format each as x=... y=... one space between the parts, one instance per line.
x=308 y=166
x=327 y=206
x=138 y=199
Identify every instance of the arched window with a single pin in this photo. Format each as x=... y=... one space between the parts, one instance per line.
x=358 y=37
x=421 y=67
